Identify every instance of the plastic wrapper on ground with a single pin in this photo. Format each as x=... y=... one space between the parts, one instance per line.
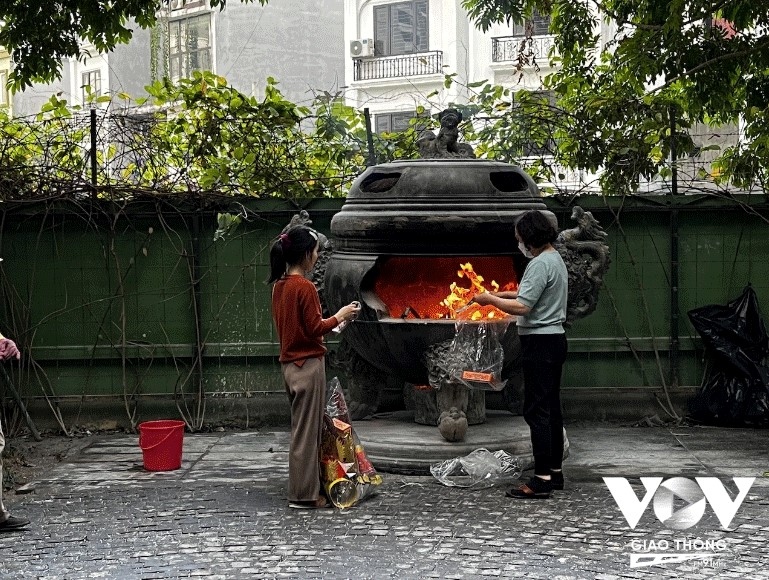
x=476 y=354
x=348 y=475
x=479 y=469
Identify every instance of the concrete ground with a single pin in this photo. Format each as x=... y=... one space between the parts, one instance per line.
x=224 y=514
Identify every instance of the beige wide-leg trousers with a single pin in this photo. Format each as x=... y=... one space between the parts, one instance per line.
x=306 y=388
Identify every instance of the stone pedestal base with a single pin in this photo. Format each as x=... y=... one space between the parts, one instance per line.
x=396 y=444
x=429 y=404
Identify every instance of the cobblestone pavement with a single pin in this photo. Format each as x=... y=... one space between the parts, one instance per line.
x=224 y=515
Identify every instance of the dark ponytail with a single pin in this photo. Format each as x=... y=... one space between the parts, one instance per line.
x=291 y=247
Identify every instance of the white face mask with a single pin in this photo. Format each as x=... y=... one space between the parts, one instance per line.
x=524 y=250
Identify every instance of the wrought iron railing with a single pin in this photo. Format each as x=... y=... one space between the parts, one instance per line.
x=404 y=65
x=508 y=48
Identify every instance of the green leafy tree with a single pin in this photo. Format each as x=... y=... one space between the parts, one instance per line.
x=40 y=34
x=518 y=127
x=198 y=136
x=40 y=157
x=623 y=106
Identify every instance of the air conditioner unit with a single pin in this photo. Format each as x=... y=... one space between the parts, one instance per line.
x=177 y=4
x=361 y=47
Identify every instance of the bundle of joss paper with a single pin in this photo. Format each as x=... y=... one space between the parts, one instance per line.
x=348 y=476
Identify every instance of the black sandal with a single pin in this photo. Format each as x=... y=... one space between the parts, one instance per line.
x=535 y=488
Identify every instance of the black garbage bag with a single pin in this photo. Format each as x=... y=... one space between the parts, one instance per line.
x=735 y=391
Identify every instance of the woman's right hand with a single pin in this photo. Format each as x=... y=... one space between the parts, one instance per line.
x=509 y=294
x=483 y=298
x=349 y=312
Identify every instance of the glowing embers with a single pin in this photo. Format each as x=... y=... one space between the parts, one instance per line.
x=417 y=287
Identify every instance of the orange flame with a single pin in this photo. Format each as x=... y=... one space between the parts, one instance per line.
x=458 y=301
x=414 y=287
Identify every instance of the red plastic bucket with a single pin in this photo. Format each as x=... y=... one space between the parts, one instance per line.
x=161 y=443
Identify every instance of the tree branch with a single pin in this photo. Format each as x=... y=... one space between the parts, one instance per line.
x=760 y=45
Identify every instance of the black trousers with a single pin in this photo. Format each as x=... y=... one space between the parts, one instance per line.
x=543 y=357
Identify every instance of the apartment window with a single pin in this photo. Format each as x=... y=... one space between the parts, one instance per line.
x=4 y=98
x=397 y=122
x=90 y=84
x=540 y=25
x=190 y=45
x=401 y=28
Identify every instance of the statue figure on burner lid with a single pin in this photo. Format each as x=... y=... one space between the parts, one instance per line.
x=446 y=143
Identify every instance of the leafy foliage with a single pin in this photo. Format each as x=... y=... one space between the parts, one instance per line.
x=666 y=67
x=39 y=35
x=521 y=127
x=198 y=136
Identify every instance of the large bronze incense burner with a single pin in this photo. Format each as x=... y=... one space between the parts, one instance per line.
x=404 y=233
x=399 y=240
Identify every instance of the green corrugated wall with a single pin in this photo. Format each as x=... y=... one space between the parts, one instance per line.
x=102 y=297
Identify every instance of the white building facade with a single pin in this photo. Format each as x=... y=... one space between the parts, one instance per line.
x=399 y=52
x=297 y=42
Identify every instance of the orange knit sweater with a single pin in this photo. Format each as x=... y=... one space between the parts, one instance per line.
x=299 y=319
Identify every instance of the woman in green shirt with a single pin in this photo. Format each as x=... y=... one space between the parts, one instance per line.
x=540 y=304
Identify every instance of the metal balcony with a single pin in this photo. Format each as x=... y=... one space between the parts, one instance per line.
x=403 y=65
x=508 y=48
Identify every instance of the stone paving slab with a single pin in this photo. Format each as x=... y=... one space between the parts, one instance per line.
x=224 y=515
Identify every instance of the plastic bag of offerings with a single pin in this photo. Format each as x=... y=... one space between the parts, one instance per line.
x=348 y=475
x=476 y=355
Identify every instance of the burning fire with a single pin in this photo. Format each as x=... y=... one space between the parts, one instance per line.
x=415 y=287
x=458 y=301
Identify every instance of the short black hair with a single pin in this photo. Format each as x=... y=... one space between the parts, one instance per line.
x=535 y=229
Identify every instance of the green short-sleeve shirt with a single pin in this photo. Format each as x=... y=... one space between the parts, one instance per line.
x=544 y=288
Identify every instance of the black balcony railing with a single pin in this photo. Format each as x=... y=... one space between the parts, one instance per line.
x=508 y=48
x=403 y=65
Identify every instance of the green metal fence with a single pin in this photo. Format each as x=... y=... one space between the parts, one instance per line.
x=138 y=302
x=639 y=341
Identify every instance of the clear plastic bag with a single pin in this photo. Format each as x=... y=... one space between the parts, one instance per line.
x=478 y=469
x=348 y=475
x=476 y=354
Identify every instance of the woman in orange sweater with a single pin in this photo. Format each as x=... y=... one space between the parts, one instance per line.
x=300 y=324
